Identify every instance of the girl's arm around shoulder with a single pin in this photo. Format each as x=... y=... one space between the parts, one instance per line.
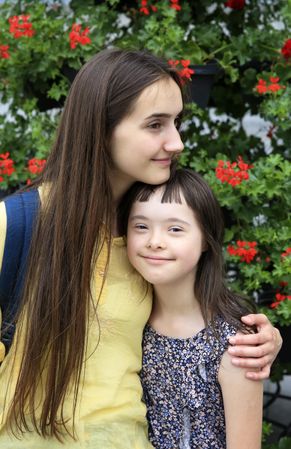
x=243 y=406
x=256 y=352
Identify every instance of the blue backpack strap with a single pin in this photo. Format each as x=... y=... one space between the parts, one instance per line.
x=21 y=211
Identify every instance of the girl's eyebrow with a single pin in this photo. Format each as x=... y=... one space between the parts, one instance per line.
x=171 y=219
x=178 y=220
x=162 y=115
x=138 y=217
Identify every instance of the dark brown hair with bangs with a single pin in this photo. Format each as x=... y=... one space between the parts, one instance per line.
x=210 y=287
x=77 y=214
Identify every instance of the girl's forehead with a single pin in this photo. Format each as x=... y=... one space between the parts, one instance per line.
x=163 y=96
x=157 y=197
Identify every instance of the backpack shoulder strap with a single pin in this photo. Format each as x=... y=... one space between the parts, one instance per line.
x=21 y=211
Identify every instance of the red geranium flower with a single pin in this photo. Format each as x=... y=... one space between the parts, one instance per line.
x=77 y=36
x=279 y=299
x=245 y=250
x=4 y=51
x=175 y=5
x=19 y=26
x=36 y=166
x=232 y=172
x=235 y=4
x=286 y=253
x=145 y=8
x=286 y=49
x=262 y=87
x=6 y=166
x=185 y=73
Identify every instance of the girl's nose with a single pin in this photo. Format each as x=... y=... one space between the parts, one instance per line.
x=173 y=143
x=155 y=242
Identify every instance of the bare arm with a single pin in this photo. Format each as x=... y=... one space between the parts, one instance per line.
x=243 y=405
x=256 y=352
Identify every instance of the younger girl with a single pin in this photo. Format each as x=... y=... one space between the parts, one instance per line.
x=195 y=397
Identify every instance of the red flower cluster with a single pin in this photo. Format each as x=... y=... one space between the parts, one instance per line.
x=273 y=86
x=19 y=26
x=77 y=36
x=36 y=166
x=175 y=5
x=245 y=250
x=232 y=172
x=4 y=51
x=6 y=166
x=144 y=8
x=286 y=253
x=235 y=4
x=286 y=49
x=279 y=298
x=185 y=73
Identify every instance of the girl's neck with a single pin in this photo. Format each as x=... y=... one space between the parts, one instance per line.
x=176 y=312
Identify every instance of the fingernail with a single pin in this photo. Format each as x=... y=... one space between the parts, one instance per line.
x=231 y=340
x=231 y=350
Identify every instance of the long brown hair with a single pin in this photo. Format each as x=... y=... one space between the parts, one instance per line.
x=75 y=221
x=210 y=288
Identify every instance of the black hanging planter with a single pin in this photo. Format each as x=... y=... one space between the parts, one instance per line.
x=39 y=92
x=284 y=355
x=44 y=103
x=202 y=81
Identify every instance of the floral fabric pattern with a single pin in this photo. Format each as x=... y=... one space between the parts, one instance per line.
x=181 y=389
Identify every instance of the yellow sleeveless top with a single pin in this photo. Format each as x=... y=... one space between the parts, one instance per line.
x=110 y=413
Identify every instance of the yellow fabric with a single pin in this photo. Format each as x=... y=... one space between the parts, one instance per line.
x=110 y=413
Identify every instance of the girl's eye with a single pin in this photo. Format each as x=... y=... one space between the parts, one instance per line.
x=155 y=125
x=175 y=229
x=140 y=227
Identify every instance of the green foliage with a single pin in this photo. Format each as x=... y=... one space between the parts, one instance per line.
x=284 y=443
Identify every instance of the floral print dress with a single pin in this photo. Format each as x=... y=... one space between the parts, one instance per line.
x=181 y=389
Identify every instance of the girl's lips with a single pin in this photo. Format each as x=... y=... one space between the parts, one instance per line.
x=166 y=161
x=155 y=260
